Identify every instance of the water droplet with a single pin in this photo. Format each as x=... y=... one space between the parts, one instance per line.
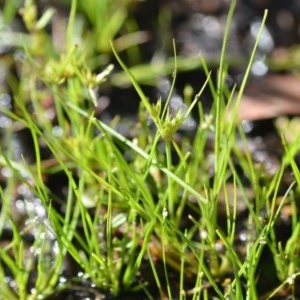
x=259 y=68
x=57 y=131
x=243 y=237
x=266 y=42
x=6 y=172
x=20 y=205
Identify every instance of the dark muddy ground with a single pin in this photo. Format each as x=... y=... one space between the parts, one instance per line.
x=197 y=27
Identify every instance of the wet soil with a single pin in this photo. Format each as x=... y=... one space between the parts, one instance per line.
x=197 y=27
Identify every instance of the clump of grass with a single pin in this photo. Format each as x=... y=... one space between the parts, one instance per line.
x=121 y=216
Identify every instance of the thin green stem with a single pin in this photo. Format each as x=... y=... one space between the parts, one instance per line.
x=171 y=197
x=71 y=24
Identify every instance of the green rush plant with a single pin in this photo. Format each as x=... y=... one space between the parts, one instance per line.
x=131 y=218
